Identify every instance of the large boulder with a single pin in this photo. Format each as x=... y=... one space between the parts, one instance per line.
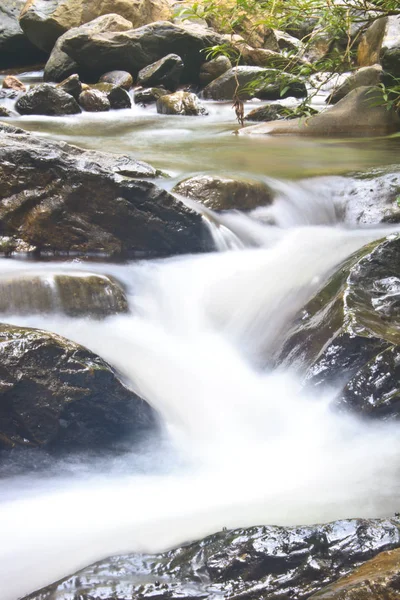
x=165 y=72
x=377 y=579
x=362 y=77
x=137 y=48
x=250 y=82
x=60 y=65
x=225 y=193
x=15 y=48
x=214 y=68
x=72 y=294
x=45 y=99
x=43 y=21
x=349 y=333
x=59 y=198
x=259 y=562
x=361 y=112
x=57 y=395
x=180 y=103
x=381 y=43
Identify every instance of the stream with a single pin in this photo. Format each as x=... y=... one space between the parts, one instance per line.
x=242 y=444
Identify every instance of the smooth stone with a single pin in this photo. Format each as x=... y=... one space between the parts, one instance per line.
x=165 y=72
x=268 y=112
x=72 y=86
x=45 y=99
x=149 y=95
x=121 y=79
x=370 y=76
x=119 y=98
x=15 y=48
x=180 y=103
x=94 y=101
x=13 y=83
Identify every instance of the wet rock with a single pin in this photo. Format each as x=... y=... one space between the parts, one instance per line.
x=268 y=112
x=59 y=198
x=73 y=294
x=365 y=76
x=15 y=48
x=57 y=395
x=260 y=57
x=45 y=99
x=149 y=95
x=119 y=98
x=121 y=79
x=224 y=193
x=13 y=83
x=135 y=49
x=5 y=112
x=361 y=112
x=259 y=562
x=377 y=579
x=11 y=94
x=349 y=333
x=60 y=65
x=165 y=72
x=94 y=101
x=72 y=86
x=214 y=68
x=180 y=103
x=44 y=21
x=372 y=198
x=253 y=82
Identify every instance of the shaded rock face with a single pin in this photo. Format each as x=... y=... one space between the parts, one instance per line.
x=15 y=48
x=165 y=72
x=224 y=87
x=361 y=112
x=180 y=103
x=72 y=86
x=223 y=193
x=365 y=76
x=214 y=68
x=269 y=112
x=135 y=49
x=349 y=333
x=94 y=101
x=59 y=198
x=119 y=98
x=45 y=99
x=44 y=21
x=377 y=579
x=369 y=48
x=75 y=294
x=121 y=79
x=60 y=65
x=259 y=562
x=149 y=95
x=57 y=395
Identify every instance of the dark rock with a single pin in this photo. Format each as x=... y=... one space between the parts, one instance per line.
x=45 y=99
x=268 y=112
x=72 y=86
x=377 y=579
x=391 y=60
x=15 y=48
x=72 y=294
x=121 y=79
x=349 y=333
x=180 y=103
x=94 y=101
x=135 y=49
x=13 y=83
x=262 y=86
x=149 y=95
x=364 y=76
x=43 y=21
x=119 y=98
x=165 y=72
x=259 y=562
x=362 y=112
x=223 y=193
x=59 y=198
x=214 y=68
x=57 y=395
x=60 y=65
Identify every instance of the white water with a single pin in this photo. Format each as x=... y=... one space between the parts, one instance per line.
x=245 y=446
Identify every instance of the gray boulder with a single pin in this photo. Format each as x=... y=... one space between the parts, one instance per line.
x=365 y=76
x=60 y=65
x=180 y=103
x=45 y=99
x=165 y=72
x=225 y=193
x=214 y=68
x=59 y=198
x=133 y=50
x=56 y=395
x=15 y=48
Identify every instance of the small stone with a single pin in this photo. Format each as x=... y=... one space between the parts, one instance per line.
x=148 y=95
x=72 y=86
x=94 y=101
x=121 y=79
x=180 y=103
x=13 y=83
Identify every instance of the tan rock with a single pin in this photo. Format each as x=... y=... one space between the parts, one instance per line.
x=43 y=21
x=370 y=45
x=13 y=83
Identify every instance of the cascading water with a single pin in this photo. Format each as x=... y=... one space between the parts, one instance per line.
x=242 y=446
